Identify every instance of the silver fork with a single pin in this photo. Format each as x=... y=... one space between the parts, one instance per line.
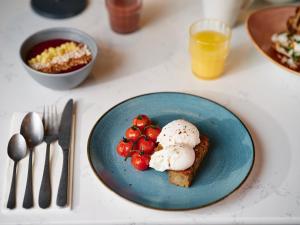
x=51 y=124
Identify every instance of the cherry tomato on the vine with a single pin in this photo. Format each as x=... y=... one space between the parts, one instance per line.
x=146 y=145
x=124 y=148
x=152 y=132
x=140 y=161
x=141 y=121
x=133 y=133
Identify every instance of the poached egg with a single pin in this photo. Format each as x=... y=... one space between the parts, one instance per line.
x=177 y=139
x=179 y=132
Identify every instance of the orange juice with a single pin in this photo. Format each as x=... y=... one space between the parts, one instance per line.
x=209 y=50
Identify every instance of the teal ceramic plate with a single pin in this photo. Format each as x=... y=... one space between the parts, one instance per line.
x=225 y=168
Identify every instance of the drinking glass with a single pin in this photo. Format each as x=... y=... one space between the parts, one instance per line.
x=209 y=47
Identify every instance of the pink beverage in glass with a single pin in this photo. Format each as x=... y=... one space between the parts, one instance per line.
x=124 y=15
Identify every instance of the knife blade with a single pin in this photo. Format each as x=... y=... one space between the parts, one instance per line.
x=64 y=140
x=65 y=128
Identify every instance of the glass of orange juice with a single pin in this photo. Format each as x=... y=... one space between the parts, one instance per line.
x=209 y=47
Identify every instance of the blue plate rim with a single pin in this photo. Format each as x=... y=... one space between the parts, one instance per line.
x=158 y=208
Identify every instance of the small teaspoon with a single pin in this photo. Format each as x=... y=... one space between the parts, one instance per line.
x=16 y=150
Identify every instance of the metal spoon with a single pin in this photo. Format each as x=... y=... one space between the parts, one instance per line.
x=16 y=150
x=33 y=131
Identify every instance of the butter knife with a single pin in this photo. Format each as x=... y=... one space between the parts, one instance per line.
x=64 y=140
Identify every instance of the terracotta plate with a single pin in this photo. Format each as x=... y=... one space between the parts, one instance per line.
x=262 y=24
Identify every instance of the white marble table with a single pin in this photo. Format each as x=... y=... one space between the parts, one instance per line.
x=155 y=59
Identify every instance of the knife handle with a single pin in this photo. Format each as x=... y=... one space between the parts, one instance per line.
x=62 y=195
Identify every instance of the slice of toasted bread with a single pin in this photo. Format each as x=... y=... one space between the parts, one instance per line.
x=184 y=178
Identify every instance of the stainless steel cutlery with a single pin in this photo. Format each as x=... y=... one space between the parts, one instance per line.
x=35 y=130
x=64 y=140
x=51 y=124
x=16 y=150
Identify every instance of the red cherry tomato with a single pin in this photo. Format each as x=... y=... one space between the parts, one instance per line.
x=152 y=132
x=141 y=121
x=133 y=133
x=146 y=145
x=140 y=161
x=124 y=148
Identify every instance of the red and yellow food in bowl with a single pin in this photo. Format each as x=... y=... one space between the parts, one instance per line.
x=59 y=56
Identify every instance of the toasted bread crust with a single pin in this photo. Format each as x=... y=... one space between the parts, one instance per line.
x=184 y=178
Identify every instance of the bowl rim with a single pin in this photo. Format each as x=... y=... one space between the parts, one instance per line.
x=67 y=29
